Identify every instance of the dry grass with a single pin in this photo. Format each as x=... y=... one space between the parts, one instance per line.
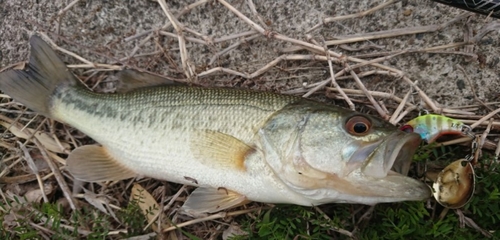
x=34 y=148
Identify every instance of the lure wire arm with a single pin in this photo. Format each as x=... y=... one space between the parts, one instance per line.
x=467 y=131
x=425 y=170
x=472 y=157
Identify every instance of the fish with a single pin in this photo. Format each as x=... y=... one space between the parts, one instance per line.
x=432 y=126
x=234 y=145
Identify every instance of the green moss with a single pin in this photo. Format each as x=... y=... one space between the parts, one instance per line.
x=92 y=223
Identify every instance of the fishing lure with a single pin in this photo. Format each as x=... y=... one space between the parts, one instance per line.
x=432 y=126
x=455 y=184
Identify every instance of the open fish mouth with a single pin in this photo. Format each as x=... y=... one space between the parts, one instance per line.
x=402 y=155
x=392 y=155
x=385 y=169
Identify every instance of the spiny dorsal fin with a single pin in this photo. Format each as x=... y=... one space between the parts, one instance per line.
x=91 y=163
x=210 y=200
x=129 y=80
x=219 y=150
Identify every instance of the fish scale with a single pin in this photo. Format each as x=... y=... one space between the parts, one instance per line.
x=164 y=106
x=142 y=130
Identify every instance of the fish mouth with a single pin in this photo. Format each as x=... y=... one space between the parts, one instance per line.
x=383 y=173
x=392 y=155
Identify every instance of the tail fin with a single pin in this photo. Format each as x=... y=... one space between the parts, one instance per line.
x=34 y=86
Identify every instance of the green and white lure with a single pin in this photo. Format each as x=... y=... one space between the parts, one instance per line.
x=432 y=126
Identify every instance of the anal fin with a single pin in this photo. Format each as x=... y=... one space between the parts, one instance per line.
x=92 y=163
x=210 y=200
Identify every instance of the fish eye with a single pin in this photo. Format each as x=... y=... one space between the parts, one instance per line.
x=358 y=125
x=407 y=128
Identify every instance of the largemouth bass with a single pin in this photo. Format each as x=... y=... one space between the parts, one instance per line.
x=234 y=145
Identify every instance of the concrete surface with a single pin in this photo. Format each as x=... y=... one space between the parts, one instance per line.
x=96 y=29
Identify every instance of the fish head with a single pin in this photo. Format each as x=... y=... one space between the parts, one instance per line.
x=330 y=154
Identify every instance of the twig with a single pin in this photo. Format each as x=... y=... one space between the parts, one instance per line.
x=482 y=141
x=212 y=217
x=254 y=12
x=51 y=222
x=174 y=198
x=141 y=43
x=343 y=71
x=167 y=25
x=485 y=30
x=472 y=88
x=264 y=68
x=6 y=169
x=221 y=69
x=191 y=39
x=469 y=222
x=96 y=66
x=454 y=141
x=164 y=27
x=395 y=32
x=355 y=15
x=400 y=107
x=434 y=49
x=386 y=34
x=366 y=46
x=399 y=100
x=208 y=40
x=232 y=46
x=299 y=42
x=234 y=36
x=375 y=104
x=167 y=206
x=403 y=114
x=34 y=169
x=474 y=125
x=57 y=175
x=497 y=152
x=483 y=123
x=70 y=5
x=422 y=95
x=188 y=70
x=336 y=229
x=468 y=34
x=49 y=41
x=334 y=82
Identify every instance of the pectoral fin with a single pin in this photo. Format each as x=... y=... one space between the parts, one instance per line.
x=219 y=150
x=92 y=163
x=210 y=200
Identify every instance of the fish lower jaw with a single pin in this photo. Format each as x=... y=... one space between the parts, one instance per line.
x=351 y=199
x=393 y=173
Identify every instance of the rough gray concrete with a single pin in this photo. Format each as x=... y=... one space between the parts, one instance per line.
x=96 y=29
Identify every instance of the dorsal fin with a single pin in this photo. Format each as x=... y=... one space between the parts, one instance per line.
x=129 y=80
